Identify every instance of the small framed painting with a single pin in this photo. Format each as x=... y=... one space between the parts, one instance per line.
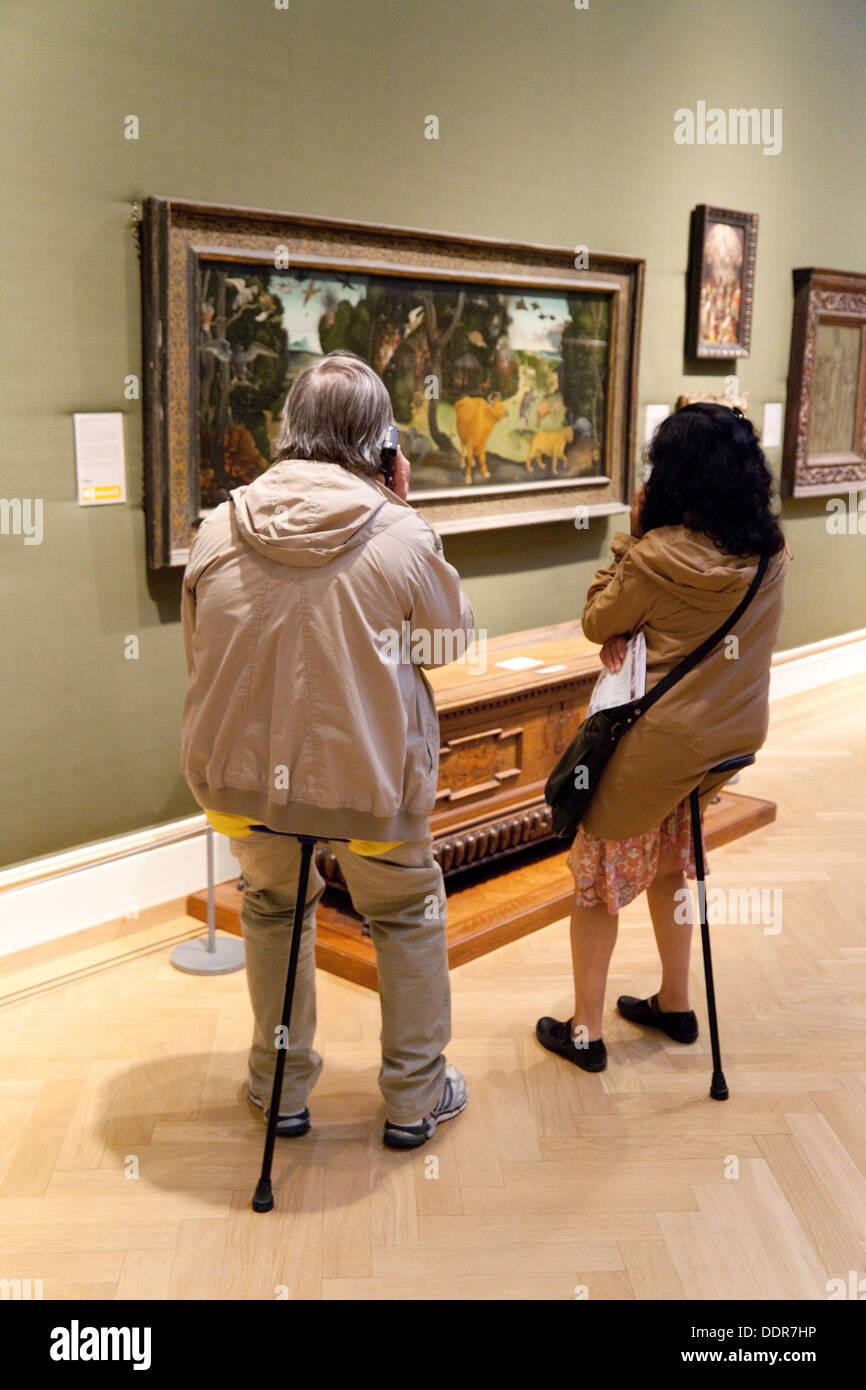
x=739 y=400
x=825 y=420
x=721 y=282
x=511 y=368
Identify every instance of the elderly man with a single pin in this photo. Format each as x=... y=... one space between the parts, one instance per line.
x=299 y=717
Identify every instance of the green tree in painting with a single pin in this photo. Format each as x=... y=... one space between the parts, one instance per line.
x=465 y=332
x=350 y=327
x=439 y=324
x=379 y=328
x=259 y=396
x=242 y=347
x=412 y=334
x=585 y=347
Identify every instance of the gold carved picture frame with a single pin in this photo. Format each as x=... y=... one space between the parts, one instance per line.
x=220 y=338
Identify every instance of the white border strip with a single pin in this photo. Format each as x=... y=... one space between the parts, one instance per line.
x=66 y=899
x=48 y=898
x=819 y=663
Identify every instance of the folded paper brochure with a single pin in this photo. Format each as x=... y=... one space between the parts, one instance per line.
x=628 y=683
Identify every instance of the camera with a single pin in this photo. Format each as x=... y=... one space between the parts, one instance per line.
x=388 y=453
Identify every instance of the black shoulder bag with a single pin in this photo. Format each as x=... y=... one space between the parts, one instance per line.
x=573 y=781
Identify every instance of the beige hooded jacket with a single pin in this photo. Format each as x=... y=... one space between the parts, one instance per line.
x=678 y=587
x=298 y=714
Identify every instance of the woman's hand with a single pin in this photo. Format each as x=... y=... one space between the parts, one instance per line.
x=612 y=654
x=636 y=504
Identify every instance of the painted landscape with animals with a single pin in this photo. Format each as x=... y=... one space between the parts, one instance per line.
x=491 y=390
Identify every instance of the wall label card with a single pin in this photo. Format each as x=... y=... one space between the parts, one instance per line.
x=654 y=416
x=100 y=460
x=771 y=434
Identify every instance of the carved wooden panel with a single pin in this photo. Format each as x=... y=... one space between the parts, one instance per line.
x=475 y=764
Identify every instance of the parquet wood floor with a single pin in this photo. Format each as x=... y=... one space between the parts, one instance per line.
x=128 y=1156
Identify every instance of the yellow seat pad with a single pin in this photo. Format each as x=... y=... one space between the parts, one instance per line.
x=238 y=827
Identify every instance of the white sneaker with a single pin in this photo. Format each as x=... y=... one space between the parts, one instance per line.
x=453 y=1099
x=288 y=1126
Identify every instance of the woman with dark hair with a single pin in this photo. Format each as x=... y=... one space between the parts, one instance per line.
x=699 y=527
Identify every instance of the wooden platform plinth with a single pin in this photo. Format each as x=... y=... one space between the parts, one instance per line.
x=487 y=906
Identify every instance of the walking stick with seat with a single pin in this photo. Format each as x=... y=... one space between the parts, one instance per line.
x=718 y=1086
x=263 y=1199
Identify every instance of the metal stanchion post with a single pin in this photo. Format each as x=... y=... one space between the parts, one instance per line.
x=212 y=954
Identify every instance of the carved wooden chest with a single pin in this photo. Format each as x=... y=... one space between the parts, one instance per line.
x=502 y=728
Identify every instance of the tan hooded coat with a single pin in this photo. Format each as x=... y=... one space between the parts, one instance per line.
x=302 y=710
x=678 y=587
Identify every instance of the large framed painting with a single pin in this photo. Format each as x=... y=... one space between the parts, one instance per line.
x=512 y=369
x=721 y=282
x=825 y=419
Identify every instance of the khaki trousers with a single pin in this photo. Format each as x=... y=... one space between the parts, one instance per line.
x=402 y=895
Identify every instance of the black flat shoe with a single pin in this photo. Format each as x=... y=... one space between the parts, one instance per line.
x=682 y=1027
x=556 y=1037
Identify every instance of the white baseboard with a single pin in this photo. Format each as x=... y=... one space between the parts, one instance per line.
x=63 y=893
x=48 y=898
x=819 y=663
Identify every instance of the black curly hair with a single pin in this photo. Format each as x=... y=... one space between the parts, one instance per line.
x=708 y=473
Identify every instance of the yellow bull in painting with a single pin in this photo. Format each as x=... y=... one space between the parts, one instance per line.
x=475 y=418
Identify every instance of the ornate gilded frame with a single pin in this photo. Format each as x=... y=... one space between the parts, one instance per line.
x=702 y=216
x=822 y=297
x=176 y=235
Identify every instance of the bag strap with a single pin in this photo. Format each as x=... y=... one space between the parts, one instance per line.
x=706 y=647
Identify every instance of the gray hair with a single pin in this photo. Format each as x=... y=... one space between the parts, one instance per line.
x=336 y=412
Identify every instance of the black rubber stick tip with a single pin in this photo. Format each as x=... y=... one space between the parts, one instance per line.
x=719 y=1087
x=264 y=1197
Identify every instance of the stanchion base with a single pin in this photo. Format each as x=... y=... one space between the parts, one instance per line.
x=264 y=1197
x=719 y=1087
x=194 y=958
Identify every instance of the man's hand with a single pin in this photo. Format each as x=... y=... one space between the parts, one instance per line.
x=400 y=481
x=636 y=504
x=612 y=654
x=402 y=469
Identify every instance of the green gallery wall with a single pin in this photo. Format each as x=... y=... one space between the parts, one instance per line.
x=556 y=126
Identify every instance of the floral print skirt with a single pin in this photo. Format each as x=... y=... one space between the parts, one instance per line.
x=611 y=873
